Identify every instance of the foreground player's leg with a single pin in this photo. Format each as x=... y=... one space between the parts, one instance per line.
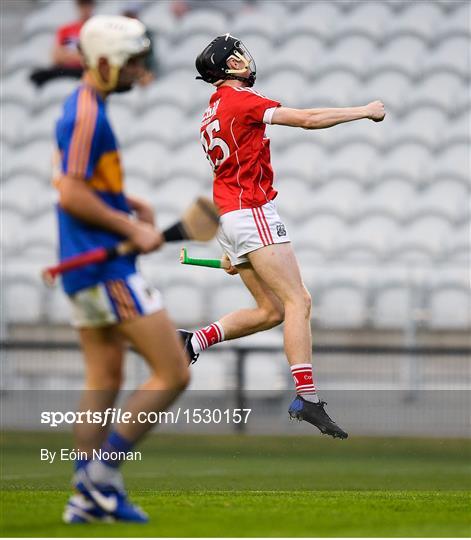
x=277 y=266
x=243 y=322
x=155 y=338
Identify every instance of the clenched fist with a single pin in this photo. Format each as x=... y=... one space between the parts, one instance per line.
x=375 y=111
x=232 y=270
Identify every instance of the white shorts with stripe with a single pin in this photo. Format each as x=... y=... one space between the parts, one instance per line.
x=114 y=301
x=249 y=229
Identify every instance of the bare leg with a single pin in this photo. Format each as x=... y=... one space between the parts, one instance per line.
x=277 y=267
x=103 y=350
x=155 y=338
x=267 y=314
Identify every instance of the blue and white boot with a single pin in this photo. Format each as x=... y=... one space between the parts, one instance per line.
x=79 y=509
x=104 y=486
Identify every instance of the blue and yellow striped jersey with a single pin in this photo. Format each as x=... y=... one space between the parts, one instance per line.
x=87 y=148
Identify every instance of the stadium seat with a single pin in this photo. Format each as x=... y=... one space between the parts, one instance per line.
x=14 y=118
x=13 y=229
x=33 y=53
x=158 y=17
x=122 y=119
x=184 y=304
x=16 y=88
x=321 y=233
x=190 y=161
x=437 y=90
x=285 y=86
x=390 y=195
x=34 y=158
x=458 y=244
x=401 y=55
x=410 y=128
x=27 y=193
x=184 y=53
x=394 y=296
x=146 y=159
x=449 y=303
x=410 y=161
x=451 y=56
x=331 y=90
x=288 y=55
x=454 y=24
x=317 y=18
x=300 y=161
x=49 y=18
x=453 y=162
x=449 y=199
x=23 y=300
x=294 y=199
x=54 y=93
x=232 y=295
x=419 y=19
x=260 y=23
x=342 y=304
x=175 y=194
x=340 y=195
x=201 y=21
x=355 y=158
x=369 y=237
x=41 y=125
x=391 y=87
x=369 y=19
x=158 y=124
x=353 y=54
x=423 y=239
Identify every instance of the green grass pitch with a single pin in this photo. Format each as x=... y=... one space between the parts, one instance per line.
x=255 y=486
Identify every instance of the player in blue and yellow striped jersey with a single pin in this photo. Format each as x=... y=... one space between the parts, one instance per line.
x=112 y=304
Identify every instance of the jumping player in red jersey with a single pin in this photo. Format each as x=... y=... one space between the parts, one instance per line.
x=252 y=234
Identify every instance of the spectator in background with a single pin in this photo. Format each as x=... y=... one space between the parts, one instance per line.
x=65 y=56
x=132 y=10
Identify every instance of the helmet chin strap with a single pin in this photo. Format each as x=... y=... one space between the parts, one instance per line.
x=103 y=85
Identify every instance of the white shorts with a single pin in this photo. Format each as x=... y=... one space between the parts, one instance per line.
x=114 y=301
x=243 y=231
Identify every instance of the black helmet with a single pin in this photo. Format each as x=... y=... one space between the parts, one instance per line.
x=211 y=63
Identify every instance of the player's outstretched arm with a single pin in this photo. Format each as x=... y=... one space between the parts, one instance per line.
x=325 y=118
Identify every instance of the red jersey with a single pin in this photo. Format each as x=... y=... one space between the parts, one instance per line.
x=233 y=137
x=68 y=36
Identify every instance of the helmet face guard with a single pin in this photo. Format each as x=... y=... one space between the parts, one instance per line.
x=212 y=62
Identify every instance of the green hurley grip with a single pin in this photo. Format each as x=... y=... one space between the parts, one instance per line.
x=210 y=263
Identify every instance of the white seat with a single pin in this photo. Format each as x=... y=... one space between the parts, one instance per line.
x=202 y=21
x=452 y=56
x=351 y=55
x=231 y=296
x=42 y=125
x=33 y=53
x=401 y=55
x=285 y=87
x=23 y=301
x=304 y=161
x=28 y=193
x=422 y=239
x=331 y=90
x=408 y=161
x=41 y=229
x=147 y=159
x=445 y=198
x=16 y=88
x=122 y=119
x=369 y=237
x=353 y=159
x=261 y=23
x=13 y=230
x=393 y=298
x=294 y=198
x=159 y=18
x=175 y=194
x=438 y=89
x=390 y=87
x=391 y=195
x=419 y=19
x=458 y=244
x=338 y=195
x=322 y=233
x=342 y=305
x=454 y=161
x=184 y=304
x=54 y=93
x=422 y=126
x=34 y=158
x=299 y=53
x=13 y=122
x=50 y=17
x=458 y=131
x=450 y=300
x=182 y=55
x=368 y=19
x=455 y=23
x=190 y=161
x=159 y=124
x=314 y=18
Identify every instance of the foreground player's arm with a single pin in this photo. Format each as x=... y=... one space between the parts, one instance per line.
x=79 y=200
x=143 y=210
x=325 y=118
